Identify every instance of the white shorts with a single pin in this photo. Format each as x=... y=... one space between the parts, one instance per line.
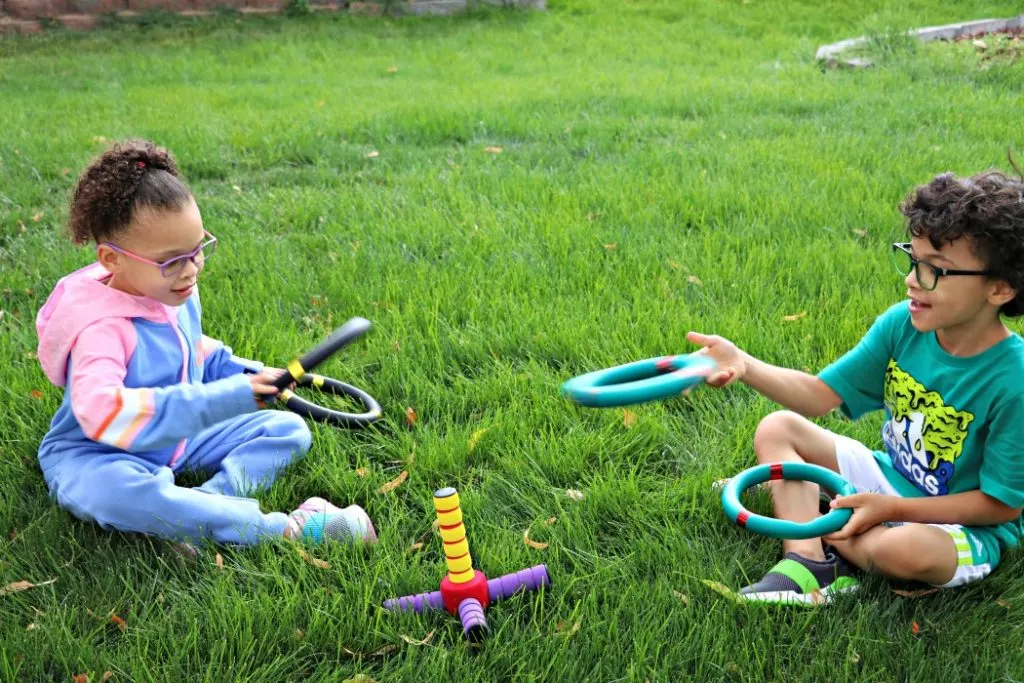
x=858 y=466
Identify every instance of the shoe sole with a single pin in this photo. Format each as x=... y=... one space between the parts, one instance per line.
x=793 y=599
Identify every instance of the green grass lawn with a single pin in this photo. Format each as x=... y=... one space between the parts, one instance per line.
x=664 y=166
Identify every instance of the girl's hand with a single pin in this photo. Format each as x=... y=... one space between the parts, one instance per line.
x=262 y=384
x=869 y=510
x=730 y=360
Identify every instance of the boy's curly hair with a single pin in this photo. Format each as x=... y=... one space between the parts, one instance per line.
x=131 y=175
x=987 y=208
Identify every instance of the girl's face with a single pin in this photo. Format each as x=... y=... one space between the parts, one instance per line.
x=155 y=237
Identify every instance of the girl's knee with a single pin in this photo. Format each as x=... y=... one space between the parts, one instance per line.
x=293 y=428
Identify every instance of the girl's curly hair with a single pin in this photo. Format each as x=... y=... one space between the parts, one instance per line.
x=131 y=175
x=987 y=208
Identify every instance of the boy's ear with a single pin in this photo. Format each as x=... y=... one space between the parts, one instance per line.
x=1001 y=293
x=108 y=258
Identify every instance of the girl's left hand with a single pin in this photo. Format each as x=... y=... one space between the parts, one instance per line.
x=869 y=510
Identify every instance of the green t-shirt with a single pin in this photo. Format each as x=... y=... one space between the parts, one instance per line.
x=953 y=424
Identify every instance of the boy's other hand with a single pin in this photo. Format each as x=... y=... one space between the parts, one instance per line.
x=730 y=360
x=869 y=510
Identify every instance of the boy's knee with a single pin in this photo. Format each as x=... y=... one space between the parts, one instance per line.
x=778 y=427
x=898 y=553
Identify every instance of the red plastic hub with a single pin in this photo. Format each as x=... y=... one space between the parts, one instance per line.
x=454 y=593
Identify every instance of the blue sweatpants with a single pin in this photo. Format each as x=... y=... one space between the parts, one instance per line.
x=129 y=493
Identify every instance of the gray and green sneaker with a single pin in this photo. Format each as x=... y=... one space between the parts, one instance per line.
x=801 y=582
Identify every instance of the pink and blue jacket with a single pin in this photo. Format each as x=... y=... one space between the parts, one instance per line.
x=139 y=376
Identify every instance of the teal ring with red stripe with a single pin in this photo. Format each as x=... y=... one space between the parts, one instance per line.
x=639 y=381
x=780 y=528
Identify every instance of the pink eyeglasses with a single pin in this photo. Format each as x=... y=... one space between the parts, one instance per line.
x=173 y=266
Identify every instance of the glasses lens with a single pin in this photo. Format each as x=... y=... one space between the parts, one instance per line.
x=173 y=267
x=927 y=278
x=207 y=251
x=902 y=261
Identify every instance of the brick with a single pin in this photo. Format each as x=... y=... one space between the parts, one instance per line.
x=8 y=25
x=434 y=7
x=167 y=5
x=29 y=9
x=218 y=4
x=79 y=22
x=366 y=8
x=96 y=6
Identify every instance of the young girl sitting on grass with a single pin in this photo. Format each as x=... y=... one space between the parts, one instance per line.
x=147 y=394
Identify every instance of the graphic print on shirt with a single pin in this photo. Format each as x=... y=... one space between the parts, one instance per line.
x=924 y=436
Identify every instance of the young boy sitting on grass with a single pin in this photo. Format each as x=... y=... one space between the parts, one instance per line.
x=941 y=502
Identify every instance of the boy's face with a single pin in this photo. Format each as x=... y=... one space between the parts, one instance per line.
x=157 y=236
x=956 y=300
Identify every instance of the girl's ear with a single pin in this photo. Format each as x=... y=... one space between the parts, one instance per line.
x=108 y=258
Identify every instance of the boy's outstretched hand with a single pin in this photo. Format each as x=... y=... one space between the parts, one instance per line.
x=730 y=360
x=869 y=510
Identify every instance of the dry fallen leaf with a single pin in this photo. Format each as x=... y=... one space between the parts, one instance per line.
x=395 y=346
x=682 y=598
x=379 y=652
x=38 y=216
x=860 y=233
x=315 y=561
x=694 y=280
x=19 y=586
x=65 y=171
x=36 y=394
x=395 y=483
x=575 y=494
x=361 y=678
x=114 y=619
x=410 y=416
x=81 y=678
x=1003 y=602
x=560 y=628
x=673 y=265
x=475 y=438
x=107 y=675
x=533 y=544
x=980 y=44
x=362 y=472
x=32 y=627
x=415 y=546
x=610 y=247
x=550 y=520
x=392 y=69
x=219 y=561
x=628 y=418
x=915 y=628
x=412 y=641
x=794 y=317
x=492 y=150
x=436 y=524
x=320 y=104
x=373 y=155
x=299 y=634
x=915 y=594
x=719 y=588
x=854 y=659
x=236 y=188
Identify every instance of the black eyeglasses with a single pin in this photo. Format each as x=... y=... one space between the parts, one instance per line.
x=927 y=274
